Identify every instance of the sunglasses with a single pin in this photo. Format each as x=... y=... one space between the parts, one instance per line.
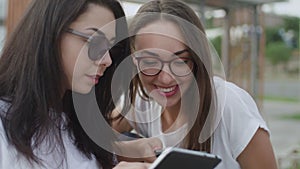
x=98 y=44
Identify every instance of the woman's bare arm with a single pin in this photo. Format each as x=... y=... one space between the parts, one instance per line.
x=259 y=153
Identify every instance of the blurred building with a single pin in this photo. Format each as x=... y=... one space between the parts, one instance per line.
x=3 y=14
x=3 y=11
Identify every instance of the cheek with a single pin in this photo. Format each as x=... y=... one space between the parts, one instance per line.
x=67 y=55
x=187 y=83
x=71 y=59
x=189 y=80
x=146 y=80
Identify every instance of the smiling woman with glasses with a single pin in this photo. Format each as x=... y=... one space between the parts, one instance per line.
x=178 y=99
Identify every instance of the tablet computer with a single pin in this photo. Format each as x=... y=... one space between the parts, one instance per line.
x=173 y=158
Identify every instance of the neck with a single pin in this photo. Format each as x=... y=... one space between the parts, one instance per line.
x=172 y=119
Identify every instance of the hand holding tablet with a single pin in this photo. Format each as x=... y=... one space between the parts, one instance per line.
x=173 y=158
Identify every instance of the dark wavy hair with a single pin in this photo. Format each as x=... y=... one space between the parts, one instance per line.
x=32 y=79
x=180 y=13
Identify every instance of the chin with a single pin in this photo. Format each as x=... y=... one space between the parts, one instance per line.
x=171 y=104
x=167 y=103
x=82 y=90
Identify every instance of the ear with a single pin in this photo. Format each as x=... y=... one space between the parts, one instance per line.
x=134 y=60
x=133 y=57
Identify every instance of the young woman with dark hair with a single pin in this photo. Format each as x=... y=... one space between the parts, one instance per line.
x=58 y=48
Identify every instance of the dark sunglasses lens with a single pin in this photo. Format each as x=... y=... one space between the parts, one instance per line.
x=98 y=46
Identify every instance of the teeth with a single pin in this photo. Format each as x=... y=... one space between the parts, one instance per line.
x=166 y=90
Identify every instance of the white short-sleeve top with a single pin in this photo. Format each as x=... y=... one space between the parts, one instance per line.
x=239 y=121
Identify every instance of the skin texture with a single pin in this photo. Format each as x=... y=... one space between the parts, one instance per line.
x=259 y=148
x=83 y=73
x=163 y=46
x=132 y=165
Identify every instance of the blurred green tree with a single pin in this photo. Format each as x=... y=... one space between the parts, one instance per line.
x=292 y=24
x=278 y=52
x=272 y=35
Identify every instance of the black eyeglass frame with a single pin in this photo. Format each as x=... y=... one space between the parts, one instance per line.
x=163 y=64
x=89 y=39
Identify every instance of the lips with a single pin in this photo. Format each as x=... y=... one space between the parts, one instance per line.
x=94 y=78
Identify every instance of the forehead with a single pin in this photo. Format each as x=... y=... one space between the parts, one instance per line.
x=160 y=34
x=99 y=17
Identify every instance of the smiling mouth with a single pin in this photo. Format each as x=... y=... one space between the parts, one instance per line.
x=166 y=90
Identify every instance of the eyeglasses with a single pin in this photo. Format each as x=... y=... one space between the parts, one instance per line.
x=151 y=66
x=98 y=44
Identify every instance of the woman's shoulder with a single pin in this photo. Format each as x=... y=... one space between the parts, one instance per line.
x=4 y=104
x=3 y=141
x=240 y=116
x=238 y=108
x=233 y=97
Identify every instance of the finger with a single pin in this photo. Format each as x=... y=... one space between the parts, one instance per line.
x=156 y=143
x=150 y=159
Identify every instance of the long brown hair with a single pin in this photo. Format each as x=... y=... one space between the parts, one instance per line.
x=32 y=79
x=199 y=50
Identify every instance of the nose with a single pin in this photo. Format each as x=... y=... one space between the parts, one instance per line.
x=165 y=76
x=104 y=61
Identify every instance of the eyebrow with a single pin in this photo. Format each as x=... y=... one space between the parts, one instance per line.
x=181 y=52
x=157 y=55
x=150 y=53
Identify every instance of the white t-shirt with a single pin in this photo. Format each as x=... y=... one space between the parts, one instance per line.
x=239 y=121
x=11 y=159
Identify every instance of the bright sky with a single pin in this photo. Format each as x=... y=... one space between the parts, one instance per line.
x=130 y=8
x=291 y=8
